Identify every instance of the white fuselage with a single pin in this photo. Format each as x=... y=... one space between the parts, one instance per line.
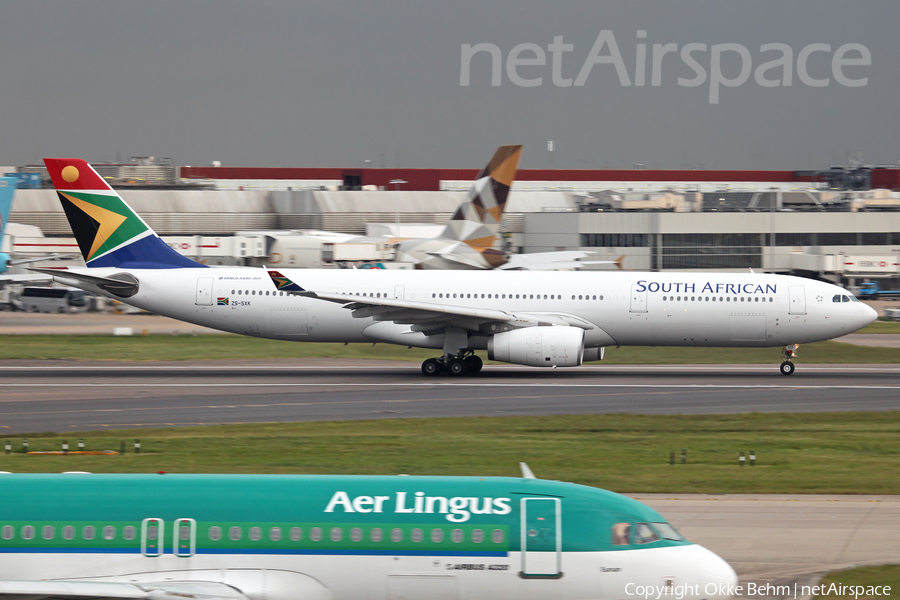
x=699 y=574
x=628 y=308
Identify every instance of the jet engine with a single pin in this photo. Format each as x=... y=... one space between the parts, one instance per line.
x=539 y=346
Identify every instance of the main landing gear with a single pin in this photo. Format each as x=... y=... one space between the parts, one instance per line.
x=464 y=363
x=787 y=356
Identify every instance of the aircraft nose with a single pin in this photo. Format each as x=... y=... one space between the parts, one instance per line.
x=868 y=315
x=717 y=579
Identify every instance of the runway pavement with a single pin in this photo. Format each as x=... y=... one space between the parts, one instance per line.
x=783 y=539
x=66 y=396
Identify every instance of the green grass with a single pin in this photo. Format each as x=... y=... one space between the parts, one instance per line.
x=830 y=453
x=885 y=575
x=193 y=347
x=882 y=327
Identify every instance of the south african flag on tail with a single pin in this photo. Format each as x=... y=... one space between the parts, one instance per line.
x=108 y=231
x=284 y=284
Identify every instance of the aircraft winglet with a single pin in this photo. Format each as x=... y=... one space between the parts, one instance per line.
x=526 y=472
x=284 y=284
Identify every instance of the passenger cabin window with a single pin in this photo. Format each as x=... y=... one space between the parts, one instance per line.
x=621 y=534
x=644 y=534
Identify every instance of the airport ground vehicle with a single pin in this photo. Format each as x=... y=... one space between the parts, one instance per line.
x=872 y=291
x=52 y=299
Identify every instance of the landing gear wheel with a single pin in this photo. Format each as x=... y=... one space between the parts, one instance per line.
x=457 y=367
x=474 y=363
x=432 y=367
x=787 y=368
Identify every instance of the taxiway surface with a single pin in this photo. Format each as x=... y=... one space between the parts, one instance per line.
x=65 y=396
x=782 y=539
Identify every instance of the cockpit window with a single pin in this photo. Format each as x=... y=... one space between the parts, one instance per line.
x=644 y=534
x=621 y=532
x=667 y=532
x=854 y=299
x=837 y=298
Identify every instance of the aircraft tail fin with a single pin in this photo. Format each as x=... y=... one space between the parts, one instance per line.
x=108 y=231
x=284 y=284
x=476 y=221
x=7 y=190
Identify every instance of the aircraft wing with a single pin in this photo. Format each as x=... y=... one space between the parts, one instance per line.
x=460 y=259
x=548 y=261
x=430 y=317
x=23 y=278
x=108 y=590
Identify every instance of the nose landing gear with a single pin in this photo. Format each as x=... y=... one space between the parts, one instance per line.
x=787 y=356
x=464 y=363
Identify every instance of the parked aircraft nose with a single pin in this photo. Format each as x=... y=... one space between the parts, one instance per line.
x=717 y=579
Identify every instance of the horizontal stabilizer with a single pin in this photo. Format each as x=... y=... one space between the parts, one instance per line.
x=26 y=261
x=121 y=285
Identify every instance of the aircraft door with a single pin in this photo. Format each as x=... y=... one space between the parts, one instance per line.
x=152 y=537
x=541 y=537
x=399 y=291
x=204 y=291
x=638 y=299
x=798 y=299
x=184 y=537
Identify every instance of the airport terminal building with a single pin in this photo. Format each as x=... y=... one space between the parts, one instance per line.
x=842 y=224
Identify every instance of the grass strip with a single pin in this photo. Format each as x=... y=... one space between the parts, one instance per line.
x=882 y=327
x=218 y=347
x=825 y=453
x=884 y=575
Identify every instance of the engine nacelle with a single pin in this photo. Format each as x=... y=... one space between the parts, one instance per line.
x=539 y=346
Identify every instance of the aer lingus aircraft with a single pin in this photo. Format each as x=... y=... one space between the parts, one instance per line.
x=542 y=319
x=304 y=537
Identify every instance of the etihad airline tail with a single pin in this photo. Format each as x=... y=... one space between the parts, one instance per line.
x=542 y=319
x=468 y=240
x=271 y=537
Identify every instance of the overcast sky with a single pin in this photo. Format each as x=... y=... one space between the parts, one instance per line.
x=335 y=83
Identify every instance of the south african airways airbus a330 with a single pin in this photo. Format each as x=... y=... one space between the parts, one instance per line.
x=541 y=319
